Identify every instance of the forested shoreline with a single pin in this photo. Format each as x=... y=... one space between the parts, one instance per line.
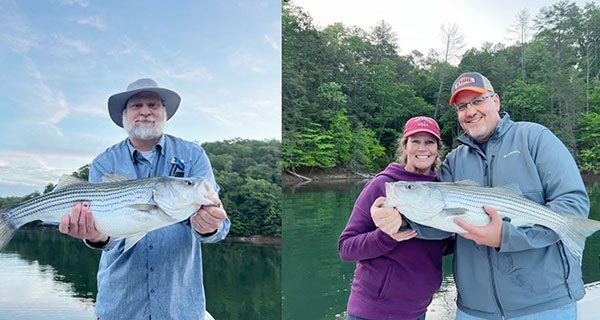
x=249 y=174
x=346 y=92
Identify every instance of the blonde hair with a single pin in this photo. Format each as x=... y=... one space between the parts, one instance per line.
x=401 y=156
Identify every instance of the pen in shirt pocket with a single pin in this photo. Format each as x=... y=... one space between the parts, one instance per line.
x=177 y=167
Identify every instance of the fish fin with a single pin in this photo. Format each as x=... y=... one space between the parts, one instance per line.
x=67 y=180
x=454 y=211
x=7 y=231
x=578 y=229
x=467 y=183
x=131 y=241
x=142 y=206
x=519 y=221
x=109 y=177
x=512 y=188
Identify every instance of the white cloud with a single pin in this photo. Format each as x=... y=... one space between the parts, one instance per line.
x=230 y=113
x=189 y=74
x=16 y=34
x=246 y=61
x=91 y=109
x=217 y=114
x=81 y=3
x=128 y=47
x=273 y=37
x=274 y=43
x=33 y=169
x=92 y=21
x=78 y=45
x=52 y=102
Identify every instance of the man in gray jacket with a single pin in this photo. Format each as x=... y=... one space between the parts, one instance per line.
x=502 y=271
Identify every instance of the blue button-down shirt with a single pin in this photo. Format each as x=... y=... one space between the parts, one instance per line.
x=161 y=276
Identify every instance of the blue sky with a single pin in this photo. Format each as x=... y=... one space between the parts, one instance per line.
x=62 y=59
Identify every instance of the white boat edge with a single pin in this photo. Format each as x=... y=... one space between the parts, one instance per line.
x=587 y=308
x=207 y=316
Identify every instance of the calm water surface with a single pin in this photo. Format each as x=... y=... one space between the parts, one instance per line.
x=46 y=275
x=317 y=283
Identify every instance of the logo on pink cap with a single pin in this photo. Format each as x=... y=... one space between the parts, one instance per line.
x=422 y=124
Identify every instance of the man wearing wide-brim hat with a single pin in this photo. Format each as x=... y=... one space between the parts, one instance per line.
x=160 y=277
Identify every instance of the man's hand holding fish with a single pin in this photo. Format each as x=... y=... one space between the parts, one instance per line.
x=208 y=219
x=489 y=235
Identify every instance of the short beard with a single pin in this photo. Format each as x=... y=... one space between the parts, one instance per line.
x=144 y=133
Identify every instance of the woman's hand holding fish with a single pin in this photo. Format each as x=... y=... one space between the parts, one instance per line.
x=80 y=224
x=208 y=219
x=489 y=235
x=389 y=221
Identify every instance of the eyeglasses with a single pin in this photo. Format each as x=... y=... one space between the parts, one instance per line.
x=475 y=102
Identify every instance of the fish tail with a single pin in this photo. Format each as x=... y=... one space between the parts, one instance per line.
x=578 y=229
x=7 y=230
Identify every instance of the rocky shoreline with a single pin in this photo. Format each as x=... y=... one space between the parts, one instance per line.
x=257 y=240
x=289 y=178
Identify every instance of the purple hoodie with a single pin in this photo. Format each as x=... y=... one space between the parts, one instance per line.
x=392 y=280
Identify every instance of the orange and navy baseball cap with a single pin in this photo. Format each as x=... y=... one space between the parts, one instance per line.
x=422 y=124
x=471 y=81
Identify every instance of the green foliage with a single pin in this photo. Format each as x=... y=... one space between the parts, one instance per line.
x=552 y=78
x=366 y=152
x=589 y=142
x=82 y=173
x=249 y=174
x=342 y=135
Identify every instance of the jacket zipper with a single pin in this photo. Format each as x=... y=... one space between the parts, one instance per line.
x=489 y=182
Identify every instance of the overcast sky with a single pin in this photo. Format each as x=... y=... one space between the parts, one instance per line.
x=417 y=23
x=62 y=59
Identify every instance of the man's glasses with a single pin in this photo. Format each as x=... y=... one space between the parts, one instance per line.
x=475 y=102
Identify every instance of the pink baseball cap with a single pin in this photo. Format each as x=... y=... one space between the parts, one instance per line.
x=422 y=124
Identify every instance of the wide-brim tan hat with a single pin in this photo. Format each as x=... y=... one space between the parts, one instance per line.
x=117 y=102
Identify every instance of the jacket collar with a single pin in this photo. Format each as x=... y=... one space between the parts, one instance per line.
x=503 y=126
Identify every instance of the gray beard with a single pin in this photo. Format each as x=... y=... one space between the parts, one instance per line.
x=144 y=133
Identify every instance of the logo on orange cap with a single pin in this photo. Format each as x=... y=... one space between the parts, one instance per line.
x=471 y=81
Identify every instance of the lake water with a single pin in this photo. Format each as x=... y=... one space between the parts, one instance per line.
x=317 y=283
x=46 y=275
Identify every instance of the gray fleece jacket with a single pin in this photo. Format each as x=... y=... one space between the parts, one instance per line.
x=531 y=271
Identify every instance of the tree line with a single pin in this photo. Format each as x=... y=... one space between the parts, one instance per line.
x=249 y=174
x=347 y=93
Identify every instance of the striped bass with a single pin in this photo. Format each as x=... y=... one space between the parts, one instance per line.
x=121 y=208
x=436 y=204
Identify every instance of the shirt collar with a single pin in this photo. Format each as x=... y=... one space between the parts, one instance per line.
x=135 y=154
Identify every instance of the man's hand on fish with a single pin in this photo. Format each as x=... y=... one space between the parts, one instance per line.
x=389 y=221
x=80 y=224
x=208 y=219
x=489 y=235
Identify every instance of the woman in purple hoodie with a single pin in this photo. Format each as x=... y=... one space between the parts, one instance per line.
x=396 y=274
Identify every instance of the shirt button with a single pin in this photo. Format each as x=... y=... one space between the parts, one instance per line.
x=151 y=290
x=151 y=247
x=151 y=269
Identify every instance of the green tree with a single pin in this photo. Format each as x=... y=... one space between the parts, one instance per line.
x=341 y=133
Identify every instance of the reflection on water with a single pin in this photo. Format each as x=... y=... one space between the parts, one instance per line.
x=29 y=290
x=46 y=275
x=317 y=282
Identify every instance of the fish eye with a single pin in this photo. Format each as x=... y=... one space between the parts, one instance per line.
x=410 y=187
x=189 y=182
